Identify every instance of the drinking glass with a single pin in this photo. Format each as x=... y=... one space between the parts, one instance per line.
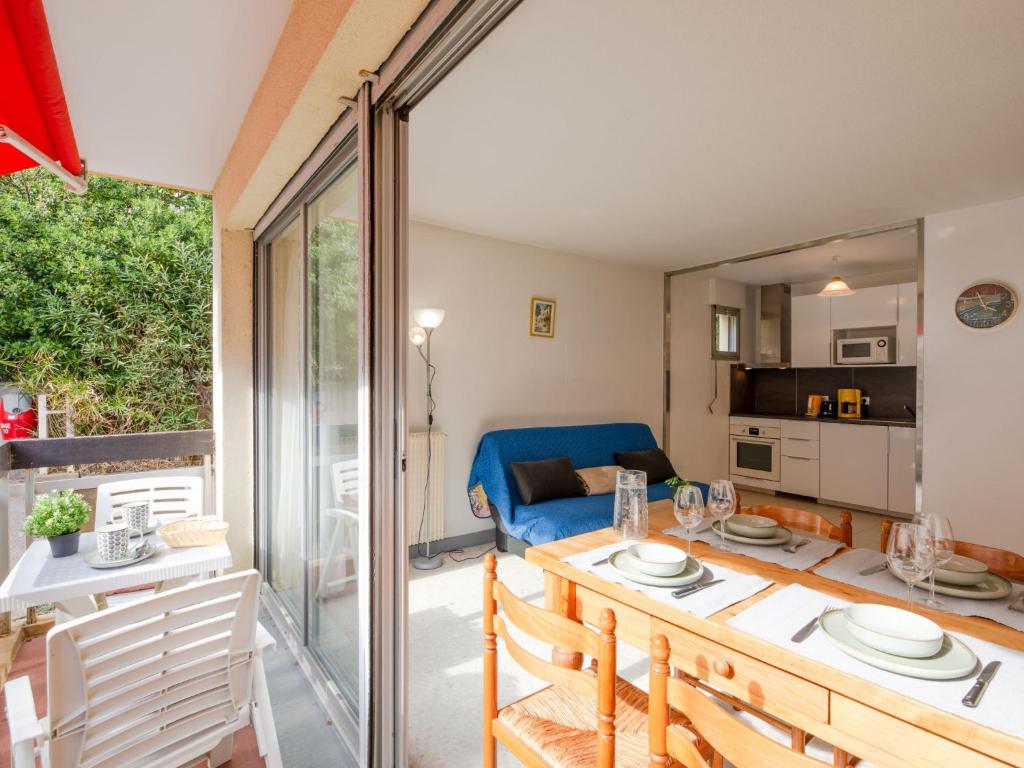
x=939 y=531
x=911 y=555
x=721 y=505
x=688 y=507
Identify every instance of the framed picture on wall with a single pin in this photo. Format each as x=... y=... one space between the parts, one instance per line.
x=542 y=318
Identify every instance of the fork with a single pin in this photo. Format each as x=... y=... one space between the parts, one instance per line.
x=807 y=629
x=791 y=548
x=1018 y=605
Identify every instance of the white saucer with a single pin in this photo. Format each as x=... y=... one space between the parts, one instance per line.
x=93 y=558
x=953 y=661
x=992 y=587
x=622 y=562
x=777 y=539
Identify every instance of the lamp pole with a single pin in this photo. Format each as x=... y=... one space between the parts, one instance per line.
x=427 y=562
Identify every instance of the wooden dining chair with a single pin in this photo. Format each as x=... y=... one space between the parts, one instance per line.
x=729 y=738
x=587 y=717
x=1007 y=564
x=812 y=522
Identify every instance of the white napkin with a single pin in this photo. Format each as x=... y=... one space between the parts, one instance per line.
x=778 y=616
x=846 y=568
x=805 y=557
x=736 y=586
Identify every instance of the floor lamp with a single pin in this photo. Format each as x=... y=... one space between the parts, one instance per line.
x=427 y=320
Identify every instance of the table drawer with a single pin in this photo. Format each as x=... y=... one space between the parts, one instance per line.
x=885 y=740
x=632 y=626
x=777 y=692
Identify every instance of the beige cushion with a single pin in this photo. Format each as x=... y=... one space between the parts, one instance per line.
x=598 y=480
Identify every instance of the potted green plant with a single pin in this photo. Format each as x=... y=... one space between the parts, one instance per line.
x=59 y=517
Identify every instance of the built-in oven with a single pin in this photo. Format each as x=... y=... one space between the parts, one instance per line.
x=755 y=452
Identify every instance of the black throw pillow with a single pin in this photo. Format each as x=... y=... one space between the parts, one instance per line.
x=545 y=480
x=652 y=461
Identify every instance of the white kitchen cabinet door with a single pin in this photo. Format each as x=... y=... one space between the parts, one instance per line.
x=866 y=308
x=811 y=336
x=800 y=476
x=906 y=328
x=902 y=470
x=855 y=464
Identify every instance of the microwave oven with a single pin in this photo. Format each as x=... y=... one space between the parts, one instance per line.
x=871 y=350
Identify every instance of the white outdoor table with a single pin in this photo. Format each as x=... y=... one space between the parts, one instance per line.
x=67 y=582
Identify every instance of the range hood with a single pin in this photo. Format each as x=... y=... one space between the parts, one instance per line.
x=773 y=329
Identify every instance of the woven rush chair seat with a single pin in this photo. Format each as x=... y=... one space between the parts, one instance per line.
x=558 y=724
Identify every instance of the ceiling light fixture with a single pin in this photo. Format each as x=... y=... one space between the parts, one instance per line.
x=836 y=286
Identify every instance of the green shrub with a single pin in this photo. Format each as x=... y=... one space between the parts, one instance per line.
x=55 y=514
x=106 y=301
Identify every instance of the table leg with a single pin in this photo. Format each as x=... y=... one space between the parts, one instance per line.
x=5 y=623
x=74 y=607
x=560 y=598
x=840 y=758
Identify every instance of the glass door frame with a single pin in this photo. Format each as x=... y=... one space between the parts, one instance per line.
x=354 y=726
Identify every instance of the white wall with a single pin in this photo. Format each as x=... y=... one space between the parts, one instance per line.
x=604 y=363
x=973 y=459
x=699 y=439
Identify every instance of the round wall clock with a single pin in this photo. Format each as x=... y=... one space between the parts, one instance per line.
x=986 y=305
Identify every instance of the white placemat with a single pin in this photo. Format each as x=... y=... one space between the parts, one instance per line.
x=846 y=568
x=778 y=616
x=736 y=587
x=805 y=557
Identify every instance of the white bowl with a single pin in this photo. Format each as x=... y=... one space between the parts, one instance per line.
x=894 y=630
x=657 y=559
x=962 y=571
x=752 y=526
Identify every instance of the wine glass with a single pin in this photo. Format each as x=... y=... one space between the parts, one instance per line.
x=721 y=505
x=939 y=531
x=688 y=506
x=910 y=555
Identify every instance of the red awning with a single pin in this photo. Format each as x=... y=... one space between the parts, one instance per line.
x=33 y=111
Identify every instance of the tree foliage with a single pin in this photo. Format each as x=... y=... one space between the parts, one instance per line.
x=105 y=300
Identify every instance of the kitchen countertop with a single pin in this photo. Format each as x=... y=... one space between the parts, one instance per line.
x=792 y=417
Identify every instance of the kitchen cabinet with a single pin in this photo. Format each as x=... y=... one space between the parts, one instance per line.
x=866 y=308
x=902 y=470
x=799 y=469
x=906 y=327
x=811 y=332
x=854 y=465
x=800 y=476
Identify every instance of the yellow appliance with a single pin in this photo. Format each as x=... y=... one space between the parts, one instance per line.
x=849 y=403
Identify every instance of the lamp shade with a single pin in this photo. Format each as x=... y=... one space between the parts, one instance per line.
x=428 y=317
x=417 y=336
x=836 y=287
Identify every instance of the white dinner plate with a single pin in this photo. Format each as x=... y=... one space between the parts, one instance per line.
x=780 y=537
x=623 y=563
x=953 y=661
x=992 y=587
x=93 y=558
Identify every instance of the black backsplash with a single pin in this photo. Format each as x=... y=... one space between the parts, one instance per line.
x=783 y=392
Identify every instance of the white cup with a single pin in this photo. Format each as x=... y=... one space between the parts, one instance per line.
x=113 y=542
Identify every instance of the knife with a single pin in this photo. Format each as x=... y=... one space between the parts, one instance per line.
x=973 y=697
x=873 y=569
x=605 y=560
x=695 y=588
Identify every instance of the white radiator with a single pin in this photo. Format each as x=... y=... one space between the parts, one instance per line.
x=416 y=483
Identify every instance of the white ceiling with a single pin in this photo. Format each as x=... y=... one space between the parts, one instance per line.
x=672 y=133
x=157 y=89
x=872 y=254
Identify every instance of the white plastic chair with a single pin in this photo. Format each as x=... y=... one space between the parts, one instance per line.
x=162 y=683
x=170 y=498
x=344 y=542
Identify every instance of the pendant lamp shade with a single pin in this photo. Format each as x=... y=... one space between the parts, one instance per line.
x=836 y=287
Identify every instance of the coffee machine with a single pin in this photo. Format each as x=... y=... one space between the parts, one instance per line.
x=849 y=404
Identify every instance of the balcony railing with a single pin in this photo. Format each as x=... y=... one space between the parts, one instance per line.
x=26 y=457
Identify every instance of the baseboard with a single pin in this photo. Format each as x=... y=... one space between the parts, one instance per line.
x=453 y=542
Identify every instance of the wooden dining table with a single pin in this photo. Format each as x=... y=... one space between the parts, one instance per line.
x=853 y=714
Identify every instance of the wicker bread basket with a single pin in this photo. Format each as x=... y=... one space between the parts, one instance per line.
x=193 y=532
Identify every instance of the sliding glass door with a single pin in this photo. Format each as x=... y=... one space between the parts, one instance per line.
x=313 y=435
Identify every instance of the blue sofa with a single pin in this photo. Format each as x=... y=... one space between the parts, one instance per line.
x=493 y=491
